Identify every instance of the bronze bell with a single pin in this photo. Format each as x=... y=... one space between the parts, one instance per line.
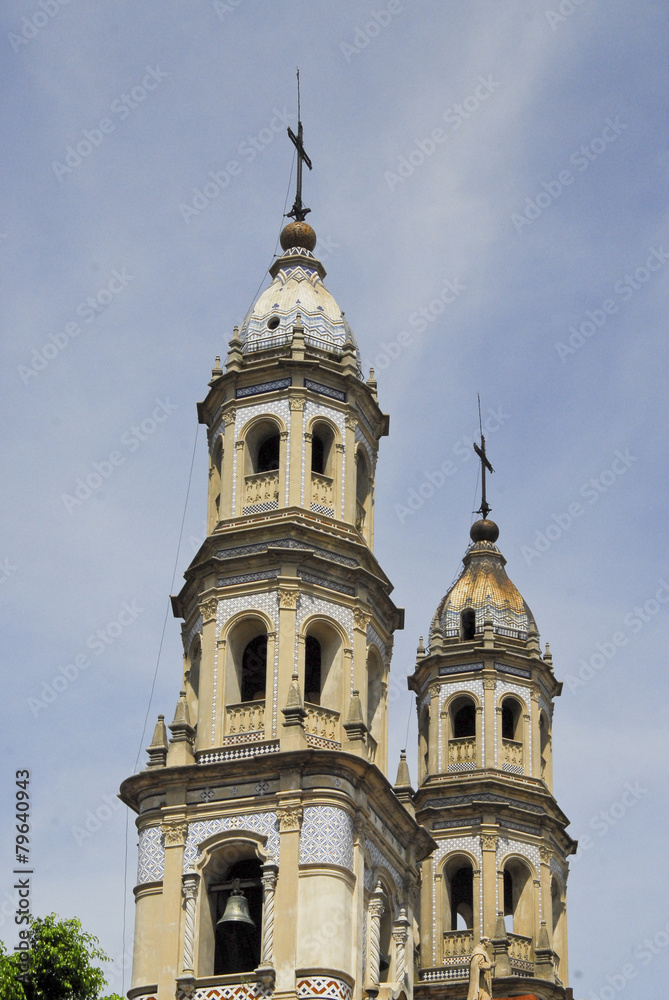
x=236 y=908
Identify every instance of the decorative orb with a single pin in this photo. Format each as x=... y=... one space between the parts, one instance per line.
x=484 y=531
x=298 y=234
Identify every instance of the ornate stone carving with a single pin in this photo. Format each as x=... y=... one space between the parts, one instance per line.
x=546 y=855
x=297 y=403
x=174 y=832
x=400 y=937
x=489 y=841
x=290 y=818
x=229 y=417
x=283 y=435
x=361 y=618
x=269 y=876
x=340 y=447
x=308 y=436
x=239 y=445
x=375 y=909
x=288 y=598
x=351 y=421
x=208 y=608
x=489 y=683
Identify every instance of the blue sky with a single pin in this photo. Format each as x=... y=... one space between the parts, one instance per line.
x=489 y=192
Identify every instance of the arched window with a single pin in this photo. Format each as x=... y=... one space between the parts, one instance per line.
x=375 y=695
x=312 y=670
x=468 y=623
x=462 y=755
x=518 y=902
x=511 y=720
x=363 y=488
x=192 y=680
x=237 y=941
x=323 y=666
x=268 y=454
x=246 y=667
x=215 y=484
x=558 y=914
x=545 y=749
x=464 y=718
x=424 y=742
x=322 y=449
x=254 y=669
x=459 y=885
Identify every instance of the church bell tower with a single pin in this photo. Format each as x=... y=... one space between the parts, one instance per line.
x=275 y=858
x=485 y=695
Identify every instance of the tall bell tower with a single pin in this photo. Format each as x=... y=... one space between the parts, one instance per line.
x=485 y=696
x=275 y=858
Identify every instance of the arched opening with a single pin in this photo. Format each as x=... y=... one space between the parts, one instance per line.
x=468 y=624
x=512 y=736
x=424 y=742
x=216 y=479
x=246 y=671
x=559 y=919
x=363 y=487
x=323 y=666
x=254 y=669
x=459 y=884
x=511 y=720
x=462 y=736
x=233 y=896
x=312 y=670
x=375 y=695
x=192 y=680
x=262 y=460
x=518 y=902
x=268 y=454
x=322 y=449
x=545 y=749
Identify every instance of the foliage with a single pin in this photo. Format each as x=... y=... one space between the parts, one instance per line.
x=61 y=956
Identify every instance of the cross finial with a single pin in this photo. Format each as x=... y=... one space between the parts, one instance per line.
x=484 y=509
x=299 y=211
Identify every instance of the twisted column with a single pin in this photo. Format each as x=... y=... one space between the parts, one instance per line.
x=189 y=891
x=376 y=909
x=400 y=937
x=269 y=876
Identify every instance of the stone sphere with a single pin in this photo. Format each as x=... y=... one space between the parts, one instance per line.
x=298 y=234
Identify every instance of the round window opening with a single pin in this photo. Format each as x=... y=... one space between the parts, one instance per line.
x=273 y=322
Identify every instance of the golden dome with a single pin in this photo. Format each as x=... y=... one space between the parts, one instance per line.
x=484 y=587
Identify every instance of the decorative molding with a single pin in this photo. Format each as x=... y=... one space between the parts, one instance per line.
x=209 y=608
x=297 y=403
x=263 y=823
x=489 y=683
x=290 y=818
x=174 y=832
x=489 y=841
x=288 y=598
x=361 y=618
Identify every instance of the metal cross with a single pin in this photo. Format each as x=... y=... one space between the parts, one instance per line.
x=299 y=211
x=484 y=509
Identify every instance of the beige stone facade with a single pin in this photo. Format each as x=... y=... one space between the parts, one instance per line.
x=267 y=795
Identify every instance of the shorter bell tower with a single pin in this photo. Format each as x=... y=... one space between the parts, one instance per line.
x=485 y=695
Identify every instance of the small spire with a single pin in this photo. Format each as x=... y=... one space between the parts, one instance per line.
x=294 y=712
x=403 y=779
x=421 y=649
x=217 y=370
x=180 y=726
x=158 y=750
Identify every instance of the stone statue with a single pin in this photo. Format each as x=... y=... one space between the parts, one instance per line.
x=480 y=973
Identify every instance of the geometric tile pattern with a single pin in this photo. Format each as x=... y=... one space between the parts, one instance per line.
x=264 y=823
x=325 y=390
x=373 y=637
x=445 y=692
x=284 y=543
x=326 y=837
x=238 y=753
x=360 y=438
x=379 y=860
x=323 y=987
x=560 y=870
x=460 y=668
x=256 y=390
x=506 y=668
x=235 y=991
x=151 y=860
x=190 y=634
